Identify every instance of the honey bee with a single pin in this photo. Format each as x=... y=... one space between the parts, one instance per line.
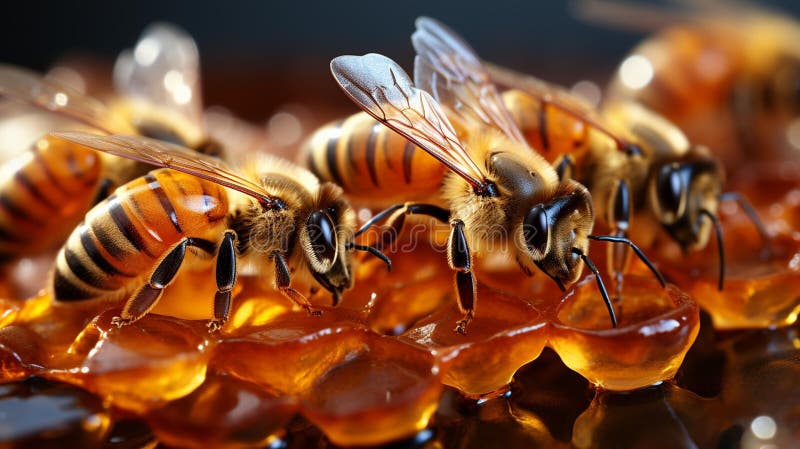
x=272 y=215
x=497 y=188
x=725 y=74
x=45 y=191
x=632 y=160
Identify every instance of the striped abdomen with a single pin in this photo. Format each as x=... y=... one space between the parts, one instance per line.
x=374 y=165
x=124 y=237
x=44 y=194
x=548 y=129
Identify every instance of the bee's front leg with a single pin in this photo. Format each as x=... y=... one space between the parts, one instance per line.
x=460 y=259
x=619 y=219
x=282 y=281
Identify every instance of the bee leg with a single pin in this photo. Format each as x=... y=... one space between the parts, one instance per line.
x=225 y=274
x=460 y=259
x=619 y=211
x=397 y=216
x=147 y=296
x=565 y=167
x=282 y=280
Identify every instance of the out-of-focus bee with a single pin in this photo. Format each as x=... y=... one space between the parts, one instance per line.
x=498 y=190
x=726 y=73
x=45 y=192
x=274 y=213
x=630 y=158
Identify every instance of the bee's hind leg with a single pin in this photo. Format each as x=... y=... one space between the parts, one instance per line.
x=144 y=299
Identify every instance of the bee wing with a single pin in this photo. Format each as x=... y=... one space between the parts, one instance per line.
x=163 y=70
x=555 y=96
x=46 y=93
x=167 y=155
x=448 y=68
x=384 y=90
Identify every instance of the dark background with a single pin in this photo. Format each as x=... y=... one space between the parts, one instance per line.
x=257 y=55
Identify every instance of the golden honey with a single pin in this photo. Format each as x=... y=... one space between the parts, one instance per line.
x=538 y=367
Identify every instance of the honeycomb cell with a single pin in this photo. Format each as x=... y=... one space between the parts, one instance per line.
x=22 y=311
x=343 y=374
x=661 y=416
x=419 y=283
x=553 y=392
x=37 y=413
x=656 y=328
x=41 y=332
x=289 y=354
x=506 y=333
x=22 y=353
x=759 y=288
x=141 y=365
x=223 y=412
x=391 y=387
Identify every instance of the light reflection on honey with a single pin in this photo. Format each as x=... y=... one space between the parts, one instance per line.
x=537 y=368
x=386 y=364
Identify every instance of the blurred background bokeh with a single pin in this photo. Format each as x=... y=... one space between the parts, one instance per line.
x=258 y=56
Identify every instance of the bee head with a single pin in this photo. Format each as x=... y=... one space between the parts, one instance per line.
x=555 y=233
x=680 y=192
x=324 y=237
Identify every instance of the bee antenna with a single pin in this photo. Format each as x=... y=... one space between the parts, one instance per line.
x=600 y=285
x=374 y=251
x=720 y=247
x=639 y=253
x=751 y=214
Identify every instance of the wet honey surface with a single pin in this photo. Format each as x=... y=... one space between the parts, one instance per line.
x=688 y=366
x=537 y=367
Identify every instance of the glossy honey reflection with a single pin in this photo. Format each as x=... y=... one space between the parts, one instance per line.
x=537 y=366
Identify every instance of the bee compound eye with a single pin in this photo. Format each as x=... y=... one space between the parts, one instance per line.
x=535 y=229
x=669 y=188
x=322 y=235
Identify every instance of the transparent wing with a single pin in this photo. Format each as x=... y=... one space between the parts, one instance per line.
x=163 y=70
x=167 y=155
x=555 y=96
x=35 y=89
x=448 y=68
x=384 y=90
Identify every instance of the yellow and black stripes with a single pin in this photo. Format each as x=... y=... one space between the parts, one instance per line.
x=125 y=236
x=550 y=129
x=45 y=196
x=370 y=161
